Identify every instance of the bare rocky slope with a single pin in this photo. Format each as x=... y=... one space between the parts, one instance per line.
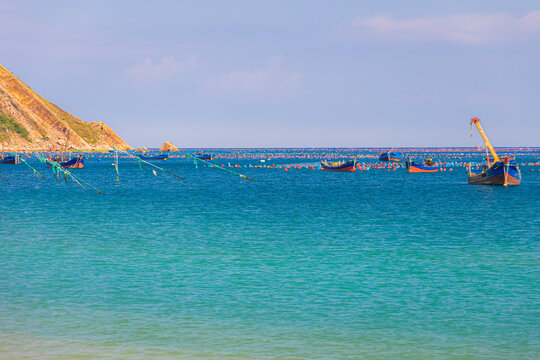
x=29 y=122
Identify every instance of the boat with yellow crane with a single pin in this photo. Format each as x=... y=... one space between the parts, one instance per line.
x=499 y=170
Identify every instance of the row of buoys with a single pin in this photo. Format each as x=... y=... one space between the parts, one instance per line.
x=287 y=167
x=283 y=155
x=444 y=166
x=264 y=154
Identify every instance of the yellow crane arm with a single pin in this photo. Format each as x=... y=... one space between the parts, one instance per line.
x=476 y=122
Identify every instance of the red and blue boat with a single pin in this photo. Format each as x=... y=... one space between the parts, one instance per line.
x=504 y=172
x=74 y=163
x=347 y=166
x=391 y=155
x=498 y=171
x=426 y=166
x=10 y=159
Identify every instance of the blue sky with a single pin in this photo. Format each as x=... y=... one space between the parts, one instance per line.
x=282 y=73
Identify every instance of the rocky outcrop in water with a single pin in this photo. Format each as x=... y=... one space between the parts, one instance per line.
x=168 y=147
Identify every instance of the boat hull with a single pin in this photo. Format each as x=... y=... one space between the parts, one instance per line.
x=75 y=163
x=497 y=174
x=345 y=167
x=10 y=160
x=151 y=158
x=391 y=156
x=413 y=167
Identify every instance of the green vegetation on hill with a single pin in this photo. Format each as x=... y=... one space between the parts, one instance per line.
x=84 y=130
x=9 y=125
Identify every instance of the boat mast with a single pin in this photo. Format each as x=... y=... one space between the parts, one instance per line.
x=476 y=122
x=65 y=145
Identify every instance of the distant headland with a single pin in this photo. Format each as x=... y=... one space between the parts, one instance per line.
x=28 y=122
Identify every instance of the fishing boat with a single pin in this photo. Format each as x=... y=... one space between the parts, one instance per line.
x=338 y=165
x=153 y=157
x=205 y=157
x=427 y=166
x=498 y=171
x=76 y=162
x=10 y=159
x=391 y=155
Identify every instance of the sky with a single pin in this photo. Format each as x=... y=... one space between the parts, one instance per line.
x=285 y=73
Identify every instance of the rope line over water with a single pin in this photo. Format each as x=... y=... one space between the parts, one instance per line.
x=140 y=161
x=59 y=170
x=196 y=159
x=36 y=173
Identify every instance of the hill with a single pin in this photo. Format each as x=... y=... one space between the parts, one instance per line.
x=29 y=122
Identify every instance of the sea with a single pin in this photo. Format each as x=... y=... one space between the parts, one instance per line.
x=300 y=264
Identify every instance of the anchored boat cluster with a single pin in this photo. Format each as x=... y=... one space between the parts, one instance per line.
x=495 y=170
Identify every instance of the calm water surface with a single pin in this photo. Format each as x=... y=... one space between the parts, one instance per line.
x=299 y=265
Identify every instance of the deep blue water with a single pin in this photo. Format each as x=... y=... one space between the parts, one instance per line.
x=302 y=264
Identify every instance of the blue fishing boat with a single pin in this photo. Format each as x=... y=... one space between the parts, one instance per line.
x=76 y=162
x=10 y=159
x=426 y=166
x=205 y=157
x=391 y=155
x=498 y=171
x=503 y=172
x=347 y=166
x=153 y=157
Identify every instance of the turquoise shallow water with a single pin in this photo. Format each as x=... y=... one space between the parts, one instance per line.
x=299 y=265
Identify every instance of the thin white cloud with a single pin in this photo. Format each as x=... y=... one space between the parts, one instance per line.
x=162 y=70
x=462 y=28
x=478 y=98
x=481 y=98
x=270 y=78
